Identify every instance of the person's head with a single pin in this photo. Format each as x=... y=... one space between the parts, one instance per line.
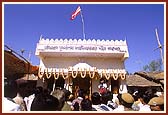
x=156 y=104
x=81 y=93
x=21 y=87
x=51 y=103
x=60 y=95
x=76 y=106
x=38 y=90
x=126 y=99
x=144 y=99
x=86 y=105
x=47 y=91
x=67 y=94
x=149 y=93
x=102 y=80
x=45 y=103
x=115 y=90
x=105 y=97
x=95 y=97
x=10 y=89
x=71 y=97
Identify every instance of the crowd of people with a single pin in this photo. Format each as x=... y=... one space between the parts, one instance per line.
x=62 y=100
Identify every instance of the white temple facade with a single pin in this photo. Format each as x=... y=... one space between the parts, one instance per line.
x=82 y=63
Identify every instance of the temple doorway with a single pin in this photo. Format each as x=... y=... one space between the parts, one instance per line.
x=82 y=84
x=115 y=86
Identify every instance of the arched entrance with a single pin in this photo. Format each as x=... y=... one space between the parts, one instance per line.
x=82 y=81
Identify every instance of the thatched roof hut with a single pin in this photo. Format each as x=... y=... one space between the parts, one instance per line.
x=144 y=81
x=156 y=77
x=15 y=67
x=137 y=80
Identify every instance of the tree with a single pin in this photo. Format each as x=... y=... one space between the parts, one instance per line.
x=145 y=68
x=154 y=65
x=127 y=73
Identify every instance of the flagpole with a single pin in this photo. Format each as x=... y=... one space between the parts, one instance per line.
x=82 y=24
x=159 y=45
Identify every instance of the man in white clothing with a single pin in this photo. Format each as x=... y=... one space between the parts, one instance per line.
x=9 y=105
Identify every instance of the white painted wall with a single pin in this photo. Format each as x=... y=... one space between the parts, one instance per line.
x=99 y=63
x=95 y=84
x=50 y=58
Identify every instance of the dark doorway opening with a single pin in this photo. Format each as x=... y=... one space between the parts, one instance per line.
x=115 y=86
x=82 y=84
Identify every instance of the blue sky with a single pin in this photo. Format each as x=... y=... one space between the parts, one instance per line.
x=24 y=23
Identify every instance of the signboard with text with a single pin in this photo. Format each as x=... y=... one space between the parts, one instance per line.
x=83 y=48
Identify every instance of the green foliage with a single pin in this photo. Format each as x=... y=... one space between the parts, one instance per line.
x=145 y=68
x=154 y=65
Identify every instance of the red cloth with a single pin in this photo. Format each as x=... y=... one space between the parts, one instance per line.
x=73 y=16
x=102 y=90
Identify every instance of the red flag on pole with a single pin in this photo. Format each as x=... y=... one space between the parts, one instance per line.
x=73 y=16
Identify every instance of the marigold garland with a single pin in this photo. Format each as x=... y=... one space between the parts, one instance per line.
x=83 y=76
x=123 y=76
x=106 y=76
x=46 y=73
x=115 y=76
x=56 y=75
x=40 y=74
x=92 y=76
x=74 y=76
x=62 y=73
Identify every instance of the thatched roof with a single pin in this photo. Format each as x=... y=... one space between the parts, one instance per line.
x=137 y=80
x=15 y=67
x=157 y=77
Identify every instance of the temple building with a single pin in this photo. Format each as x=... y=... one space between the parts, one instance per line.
x=72 y=63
